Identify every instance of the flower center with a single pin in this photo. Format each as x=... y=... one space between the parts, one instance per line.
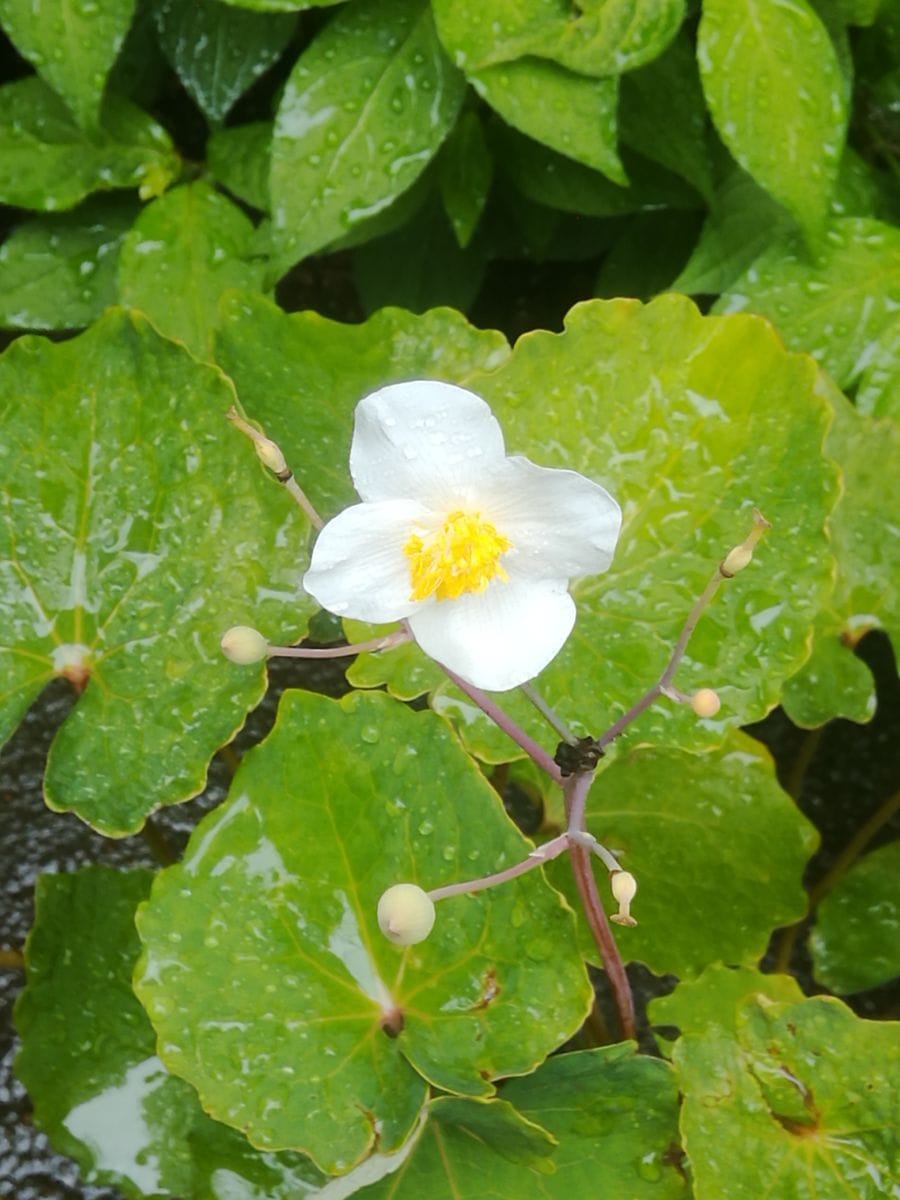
x=462 y=556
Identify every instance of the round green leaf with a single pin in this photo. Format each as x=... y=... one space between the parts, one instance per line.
x=137 y=527
x=649 y=402
x=612 y=1120
x=48 y=163
x=833 y=305
x=775 y=89
x=803 y=1102
x=88 y=1058
x=595 y=37
x=365 y=109
x=217 y=50
x=59 y=272
x=717 y=848
x=572 y=114
x=184 y=250
x=73 y=46
x=854 y=942
x=262 y=948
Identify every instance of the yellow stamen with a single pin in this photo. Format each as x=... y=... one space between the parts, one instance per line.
x=462 y=556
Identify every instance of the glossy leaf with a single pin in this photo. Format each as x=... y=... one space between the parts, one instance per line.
x=48 y=163
x=218 y=50
x=854 y=942
x=572 y=114
x=803 y=1102
x=464 y=176
x=72 y=46
x=723 y=866
x=136 y=528
x=59 y=272
x=365 y=109
x=663 y=114
x=628 y=270
x=280 y=5
x=88 y=1058
x=381 y=795
x=598 y=37
x=238 y=157
x=866 y=592
x=302 y=375
x=878 y=390
x=834 y=305
x=183 y=252
x=743 y=222
x=712 y=1001
x=612 y=1112
x=776 y=94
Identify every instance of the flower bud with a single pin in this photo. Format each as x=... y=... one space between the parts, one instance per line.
x=623 y=886
x=706 y=702
x=735 y=560
x=270 y=456
x=244 y=645
x=405 y=914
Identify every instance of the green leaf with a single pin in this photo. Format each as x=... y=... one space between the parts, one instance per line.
x=742 y=224
x=136 y=528
x=663 y=114
x=803 y=1102
x=866 y=591
x=59 y=272
x=382 y=795
x=281 y=5
x=302 y=375
x=596 y=37
x=628 y=270
x=712 y=1000
x=238 y=157
x=776 y=94
x=552 y=179
x=854 y=942
x=878 y=390
x=465 y=172
x=73 y=46
x=48 y=163
x=833 y=305
x=572 y=114
x=739 y=842
x=646 y=401
x=612 y=1112
x=217 y=50
x=88 y=1058
x=183 y=252
x=438 y=273
x=365 y=109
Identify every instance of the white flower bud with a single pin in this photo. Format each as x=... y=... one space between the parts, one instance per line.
x=706 y=702
x=623 y=886
x=405 y=914
x=270 y=456
x=244 y=645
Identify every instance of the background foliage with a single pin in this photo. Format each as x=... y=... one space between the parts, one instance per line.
x=661 y=238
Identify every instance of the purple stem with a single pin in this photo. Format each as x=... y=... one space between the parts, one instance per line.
x=385 y=642
x=537 y=858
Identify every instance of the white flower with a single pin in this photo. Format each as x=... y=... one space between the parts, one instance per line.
x=473 y=548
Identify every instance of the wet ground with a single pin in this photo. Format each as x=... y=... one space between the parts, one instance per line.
x=849 y=772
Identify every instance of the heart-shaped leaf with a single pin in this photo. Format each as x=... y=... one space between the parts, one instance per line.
x=136 y=528
x=263 y=949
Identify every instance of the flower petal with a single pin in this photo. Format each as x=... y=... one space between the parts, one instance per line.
x=358 y=567
x=424 y=440
x=498 y=638
x=560 y=523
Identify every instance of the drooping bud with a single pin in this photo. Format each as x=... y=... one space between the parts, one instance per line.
x=244 y=645
x=740 y=556
x=706 y=702
x=405 y=914
x=623 y=886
